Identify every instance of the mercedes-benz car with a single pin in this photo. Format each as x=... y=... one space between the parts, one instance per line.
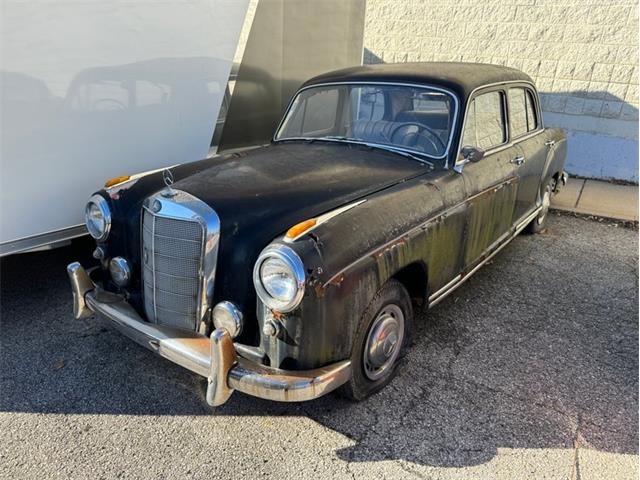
x=293 y=269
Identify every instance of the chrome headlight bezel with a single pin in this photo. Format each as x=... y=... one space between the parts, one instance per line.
x=293 y=262
x=103 y=207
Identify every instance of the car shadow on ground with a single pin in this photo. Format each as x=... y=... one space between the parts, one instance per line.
x=538 y=350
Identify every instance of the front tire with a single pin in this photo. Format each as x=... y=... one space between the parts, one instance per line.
x=539 y=223
x=382 y=338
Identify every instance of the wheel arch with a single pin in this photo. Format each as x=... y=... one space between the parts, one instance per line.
x=414 y=278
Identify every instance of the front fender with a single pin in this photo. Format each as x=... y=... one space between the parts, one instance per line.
x=349 y=258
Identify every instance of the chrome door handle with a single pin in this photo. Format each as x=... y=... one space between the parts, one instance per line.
x=550 y=143
x=519 y=160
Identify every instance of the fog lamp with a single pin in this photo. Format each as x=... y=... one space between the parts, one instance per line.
x=226 y=315
x=120 y=271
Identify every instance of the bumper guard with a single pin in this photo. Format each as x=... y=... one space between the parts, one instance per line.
x=212 y=357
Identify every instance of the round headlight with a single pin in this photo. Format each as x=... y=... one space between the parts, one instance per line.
x=279 y=278
x=97 y=217
x=120 y=271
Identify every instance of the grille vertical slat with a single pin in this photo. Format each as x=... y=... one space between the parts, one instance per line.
x=172 y=269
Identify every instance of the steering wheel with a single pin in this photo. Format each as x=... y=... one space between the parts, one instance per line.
x=109 y=103
x=412 y=131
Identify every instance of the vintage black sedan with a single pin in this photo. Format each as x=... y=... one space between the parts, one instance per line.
x=289 y=270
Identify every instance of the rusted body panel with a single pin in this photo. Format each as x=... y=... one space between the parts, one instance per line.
x=444 y=224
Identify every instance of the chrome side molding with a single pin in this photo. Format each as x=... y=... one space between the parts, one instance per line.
x=488 y=254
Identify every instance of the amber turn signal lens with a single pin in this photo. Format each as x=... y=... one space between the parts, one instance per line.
x=114 y=181
x=300 y=228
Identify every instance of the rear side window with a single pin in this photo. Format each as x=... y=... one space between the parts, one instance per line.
x=484 y=126
x=532 y=118
x=522 y=117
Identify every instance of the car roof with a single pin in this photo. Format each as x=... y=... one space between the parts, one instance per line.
x=461 y=78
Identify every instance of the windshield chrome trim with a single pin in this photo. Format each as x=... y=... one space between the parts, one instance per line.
x=456 y=103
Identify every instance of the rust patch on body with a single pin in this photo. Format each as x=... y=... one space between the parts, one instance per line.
x=388 y=247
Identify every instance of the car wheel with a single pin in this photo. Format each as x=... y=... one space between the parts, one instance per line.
x=540 y=222
x=382 y=338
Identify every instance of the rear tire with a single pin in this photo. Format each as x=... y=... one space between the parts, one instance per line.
x=382 y=338
x=539 y=223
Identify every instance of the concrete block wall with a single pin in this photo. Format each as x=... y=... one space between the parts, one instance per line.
x=582 y=54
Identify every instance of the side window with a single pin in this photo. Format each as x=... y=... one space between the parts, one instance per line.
x=484 y=125
x=517 y=112
x=532 y=117
x=522 y=111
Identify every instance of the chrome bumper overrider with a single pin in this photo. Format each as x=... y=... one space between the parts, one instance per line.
x=212 y=357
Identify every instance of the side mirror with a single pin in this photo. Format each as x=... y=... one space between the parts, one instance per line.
x=472 y=154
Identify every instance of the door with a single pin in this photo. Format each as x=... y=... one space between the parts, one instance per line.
x=531 y=153
x=490 y=182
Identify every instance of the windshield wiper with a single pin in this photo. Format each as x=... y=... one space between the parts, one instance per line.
x=333 y=137
x=343 y=138
x=403 y=153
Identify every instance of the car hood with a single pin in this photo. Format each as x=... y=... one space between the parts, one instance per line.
x=261 y=193
x=258 y=194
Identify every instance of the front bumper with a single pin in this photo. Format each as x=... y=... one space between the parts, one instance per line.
x=213 y=357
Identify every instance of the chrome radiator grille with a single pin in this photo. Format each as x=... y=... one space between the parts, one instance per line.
x=177 y=264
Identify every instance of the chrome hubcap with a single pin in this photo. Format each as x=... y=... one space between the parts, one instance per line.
x=383 y=342
x=546 y=202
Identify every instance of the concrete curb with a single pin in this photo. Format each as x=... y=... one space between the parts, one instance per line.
x=603 y=199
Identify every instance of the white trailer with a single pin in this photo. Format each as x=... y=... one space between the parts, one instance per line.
x=95 y=90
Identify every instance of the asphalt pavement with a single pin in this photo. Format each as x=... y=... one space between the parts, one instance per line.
x=529 y=370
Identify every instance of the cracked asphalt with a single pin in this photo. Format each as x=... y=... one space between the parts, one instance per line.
x=529 y=370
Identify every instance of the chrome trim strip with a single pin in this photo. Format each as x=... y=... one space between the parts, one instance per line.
x=212 y=357
x=534 y=213
x=153 y=267
x=325 y=218
x=420 y=226
x=456 y=102
x=21 y=245
x=446 y=287
x=496 y=246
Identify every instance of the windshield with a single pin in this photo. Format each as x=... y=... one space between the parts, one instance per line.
x=416 y=119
